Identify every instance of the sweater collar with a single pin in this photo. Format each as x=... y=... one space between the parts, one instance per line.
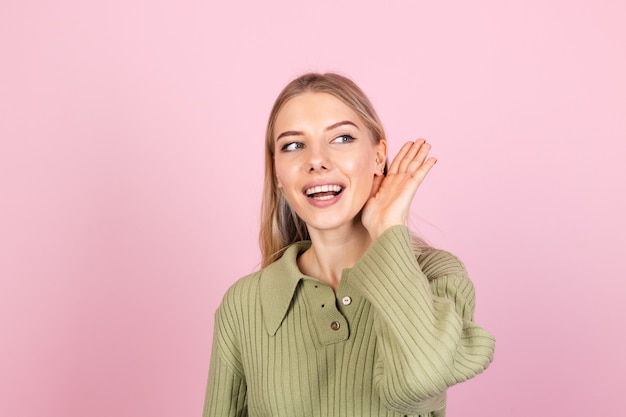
x=278 y=285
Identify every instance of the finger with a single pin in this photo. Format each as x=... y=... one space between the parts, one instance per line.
x=395 y=164
x=410 y=156
x=419 y=158
x=424 y=169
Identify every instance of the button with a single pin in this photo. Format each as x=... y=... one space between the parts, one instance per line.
x=346 y=300
x=335 y=325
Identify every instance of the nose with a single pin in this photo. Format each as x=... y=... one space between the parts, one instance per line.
x=318 y=160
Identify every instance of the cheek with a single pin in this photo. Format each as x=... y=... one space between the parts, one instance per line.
x=362 y=173
x=285 y=177
x=281 y=174
x=279 y=181
x=361 y=168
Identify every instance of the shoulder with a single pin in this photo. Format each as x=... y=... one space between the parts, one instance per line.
x=240 y=293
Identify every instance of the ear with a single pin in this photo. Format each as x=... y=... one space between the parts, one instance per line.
x=381 y=156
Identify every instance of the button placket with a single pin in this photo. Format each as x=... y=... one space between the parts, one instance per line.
x=330 y=323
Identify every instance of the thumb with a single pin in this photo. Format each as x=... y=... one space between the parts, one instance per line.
x=378 y=180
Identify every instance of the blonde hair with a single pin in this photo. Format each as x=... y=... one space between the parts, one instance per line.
x=280 y=225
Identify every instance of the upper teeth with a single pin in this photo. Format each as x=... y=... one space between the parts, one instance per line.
x=323 y=189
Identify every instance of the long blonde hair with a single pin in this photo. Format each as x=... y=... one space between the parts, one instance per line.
x=280 y=225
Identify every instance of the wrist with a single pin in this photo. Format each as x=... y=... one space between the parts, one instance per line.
x=380 y=229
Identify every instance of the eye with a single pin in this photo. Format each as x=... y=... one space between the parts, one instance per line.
x=344 y=139
x=292 y=146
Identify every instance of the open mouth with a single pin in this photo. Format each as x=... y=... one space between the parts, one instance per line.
x=323 y=192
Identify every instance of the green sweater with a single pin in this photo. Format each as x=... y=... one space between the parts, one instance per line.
x=397 y=333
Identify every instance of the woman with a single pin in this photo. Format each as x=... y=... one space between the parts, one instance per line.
x=348 y=317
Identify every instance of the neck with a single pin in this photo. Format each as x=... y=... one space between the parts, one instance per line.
x=332 y=251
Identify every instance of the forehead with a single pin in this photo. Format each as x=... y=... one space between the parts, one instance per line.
x=314 y=108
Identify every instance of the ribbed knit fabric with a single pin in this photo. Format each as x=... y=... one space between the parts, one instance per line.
x=397 y=333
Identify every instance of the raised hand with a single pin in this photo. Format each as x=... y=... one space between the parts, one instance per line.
x=392 y=195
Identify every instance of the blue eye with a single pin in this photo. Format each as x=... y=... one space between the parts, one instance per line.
x=344 y=139
x=292 y=146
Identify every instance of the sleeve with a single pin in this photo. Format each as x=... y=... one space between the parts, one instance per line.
x=226 y=393
x=427 y=340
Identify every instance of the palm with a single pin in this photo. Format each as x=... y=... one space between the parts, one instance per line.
x=392 y=195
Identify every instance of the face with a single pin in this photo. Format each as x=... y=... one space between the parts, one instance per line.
x=325 y=160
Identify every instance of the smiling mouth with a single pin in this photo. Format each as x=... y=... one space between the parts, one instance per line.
x=323 y=192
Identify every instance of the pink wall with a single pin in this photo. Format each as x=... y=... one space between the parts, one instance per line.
x=131 y=164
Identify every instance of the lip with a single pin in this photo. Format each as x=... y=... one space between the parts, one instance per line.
x=320 y=183
x=323 y=203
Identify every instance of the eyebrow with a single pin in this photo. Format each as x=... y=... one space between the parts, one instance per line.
x=331 y=127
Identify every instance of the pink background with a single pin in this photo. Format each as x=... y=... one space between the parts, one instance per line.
x=131 y=167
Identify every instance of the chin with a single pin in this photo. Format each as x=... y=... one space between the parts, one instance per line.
x=327 y=225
